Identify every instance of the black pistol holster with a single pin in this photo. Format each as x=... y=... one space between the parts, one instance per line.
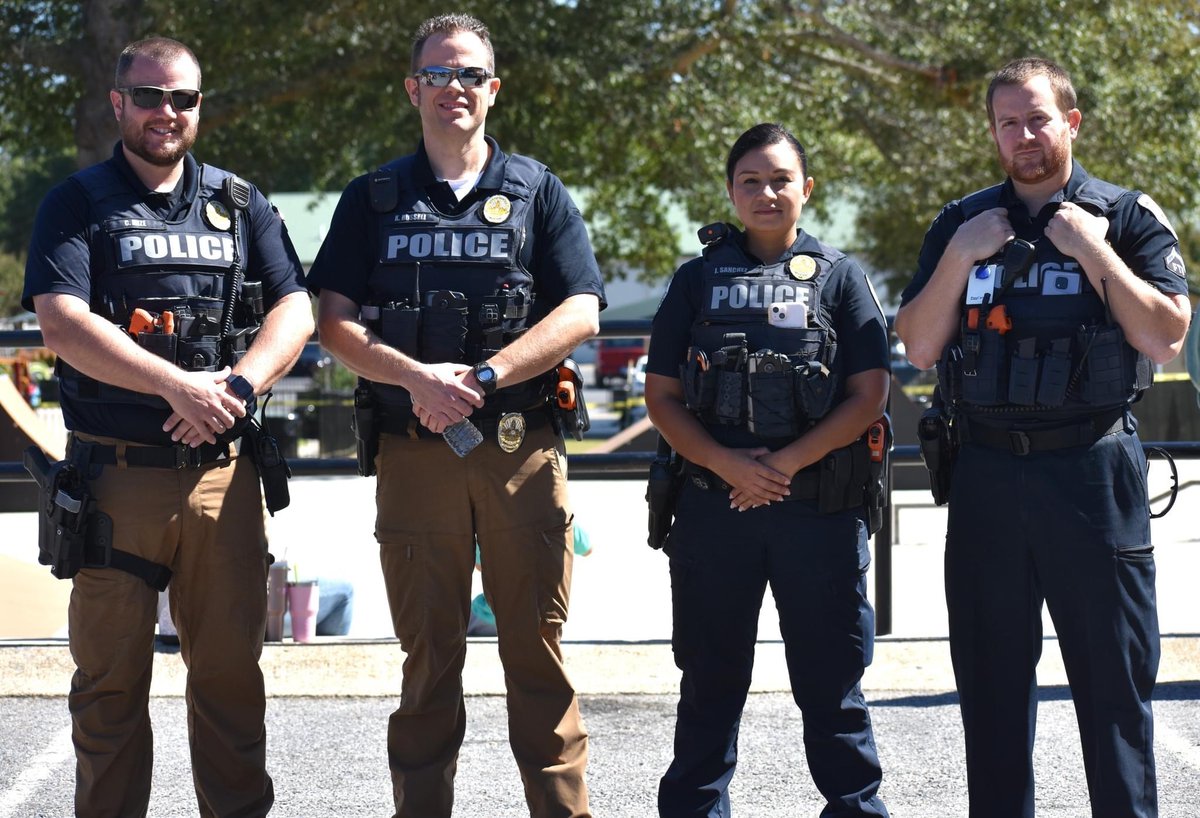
x=72 y=533
x=569 y=404
x=366 y=429
x=273 y=468
x=937 y=450
x=662 y=492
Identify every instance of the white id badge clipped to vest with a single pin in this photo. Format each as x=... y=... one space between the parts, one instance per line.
x=982 y=282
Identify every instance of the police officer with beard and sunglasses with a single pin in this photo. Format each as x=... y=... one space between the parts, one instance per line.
x=453 y=281
x=768 y=372
x=172 y=295
x=1045 y=301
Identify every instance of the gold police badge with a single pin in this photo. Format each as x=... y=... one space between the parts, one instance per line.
x=510 y=431
x=216 y=215
x=802 y=268
x=496 y=208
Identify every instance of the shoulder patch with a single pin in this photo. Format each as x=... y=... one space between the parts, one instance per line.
x=1174 y=262
x=1149 y=204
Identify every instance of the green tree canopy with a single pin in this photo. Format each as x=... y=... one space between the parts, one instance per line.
x=638 y=102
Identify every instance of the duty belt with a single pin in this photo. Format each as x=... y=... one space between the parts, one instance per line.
x=805 y=484
x=1023 y=441
x=179 y=456
x=409 y=426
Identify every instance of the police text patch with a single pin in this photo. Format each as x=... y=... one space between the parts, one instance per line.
x=474 y=244
x=138 y=249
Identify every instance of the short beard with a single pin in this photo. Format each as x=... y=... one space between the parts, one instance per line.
x=132 y=136
x=1054 y=159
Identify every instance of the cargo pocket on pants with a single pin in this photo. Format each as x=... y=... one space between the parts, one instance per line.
x=406 y=577
x=554 y=573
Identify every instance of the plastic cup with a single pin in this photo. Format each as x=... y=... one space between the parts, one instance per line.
x=277 y=599
x=303 y=600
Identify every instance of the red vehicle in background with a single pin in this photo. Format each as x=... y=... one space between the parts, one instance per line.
x=616 y=358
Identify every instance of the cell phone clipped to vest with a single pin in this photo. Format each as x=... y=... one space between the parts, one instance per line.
x=787 y=314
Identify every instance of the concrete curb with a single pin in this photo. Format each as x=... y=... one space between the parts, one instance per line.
x=373 y=667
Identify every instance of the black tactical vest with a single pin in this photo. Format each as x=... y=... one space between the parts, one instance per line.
x=1040 y=344
x=452 y=288
x=754 y=363
x=141 y=261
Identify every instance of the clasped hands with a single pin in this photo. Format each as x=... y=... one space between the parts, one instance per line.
x=758 y=477
x=444 y=394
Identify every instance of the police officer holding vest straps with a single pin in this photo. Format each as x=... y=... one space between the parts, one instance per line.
x=452 y=281
x=1045 y=300
x=768 y=361
x=131 y=272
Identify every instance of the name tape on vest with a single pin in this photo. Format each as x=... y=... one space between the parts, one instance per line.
x=137 y=249
x=474 y=244
x=741 y=295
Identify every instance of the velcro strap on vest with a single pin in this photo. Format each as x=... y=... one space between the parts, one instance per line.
x=1023 y=441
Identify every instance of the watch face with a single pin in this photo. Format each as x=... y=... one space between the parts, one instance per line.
x=486 y=377
x=241 y=387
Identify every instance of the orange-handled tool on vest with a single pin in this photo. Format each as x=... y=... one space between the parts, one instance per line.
x=144 y=321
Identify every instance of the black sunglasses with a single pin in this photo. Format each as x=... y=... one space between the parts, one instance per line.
x=151 y=97
x=439 y=76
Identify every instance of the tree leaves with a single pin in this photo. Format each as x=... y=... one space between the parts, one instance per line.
x=637 y=103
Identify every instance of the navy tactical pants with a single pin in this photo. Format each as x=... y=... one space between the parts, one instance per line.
x=1069 y=527
x=721 y=563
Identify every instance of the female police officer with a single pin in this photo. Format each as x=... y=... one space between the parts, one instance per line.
x=784 y=368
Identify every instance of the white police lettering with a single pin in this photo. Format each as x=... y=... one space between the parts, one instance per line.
x=474 y=244
x=1051 y=278
x=138 y=248
x=757 y=296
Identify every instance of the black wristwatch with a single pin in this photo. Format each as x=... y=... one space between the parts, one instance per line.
x=241 y=387
x=486 y=377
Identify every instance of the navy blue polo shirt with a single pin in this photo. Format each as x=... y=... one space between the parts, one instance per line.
x=858 y=322
x=61 y=261
x=1138 y=231
x=556 y=252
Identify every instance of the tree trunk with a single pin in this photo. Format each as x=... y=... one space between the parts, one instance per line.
x=108 y=26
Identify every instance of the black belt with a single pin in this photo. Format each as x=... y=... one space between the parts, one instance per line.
x=1023 y=441
x=409 y=426
x=179 y=456
x=805 y=484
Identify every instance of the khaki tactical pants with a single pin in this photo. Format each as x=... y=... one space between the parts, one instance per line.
x=206 y=524
x=431 y=507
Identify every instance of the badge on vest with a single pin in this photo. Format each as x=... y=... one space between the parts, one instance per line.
x=802 y=268
x=510 y=431
x=496 y=209
x=216 y=216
